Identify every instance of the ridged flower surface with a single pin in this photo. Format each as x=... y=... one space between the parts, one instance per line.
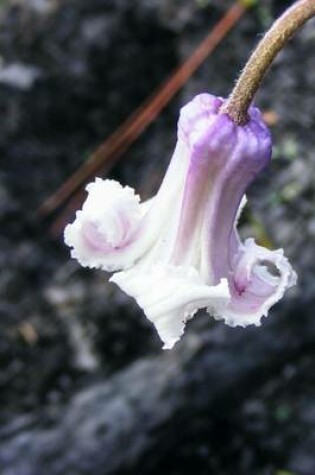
x=180 y=251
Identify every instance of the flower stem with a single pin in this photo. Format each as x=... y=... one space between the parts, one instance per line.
x=274 y=40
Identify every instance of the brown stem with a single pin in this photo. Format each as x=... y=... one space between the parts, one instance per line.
x=274 y=40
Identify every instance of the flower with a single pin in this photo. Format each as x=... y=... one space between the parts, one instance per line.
x=180 y=251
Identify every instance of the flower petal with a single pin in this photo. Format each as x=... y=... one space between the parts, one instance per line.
x=259 y=279
x=105 y=224
x=170 y=296
x=224 y=160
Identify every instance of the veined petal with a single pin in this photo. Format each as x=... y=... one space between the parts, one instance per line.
x=170 y=296
x=224 y=160
x=259 y=279
x=106 y=223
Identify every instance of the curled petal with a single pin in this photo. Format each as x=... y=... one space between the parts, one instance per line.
x=105 y=224
x=259 y=279
x=170 y=296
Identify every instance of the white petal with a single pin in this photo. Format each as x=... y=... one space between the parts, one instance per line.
x=105 y=224
x=259 y=280
x=170 y=296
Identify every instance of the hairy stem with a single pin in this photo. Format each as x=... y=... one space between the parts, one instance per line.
x=274 y=40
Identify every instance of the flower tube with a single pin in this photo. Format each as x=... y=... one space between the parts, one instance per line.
x=180 y=251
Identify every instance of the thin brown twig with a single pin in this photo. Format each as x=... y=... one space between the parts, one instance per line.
x=117 y=143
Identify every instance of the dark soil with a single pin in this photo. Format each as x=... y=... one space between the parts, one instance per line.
x=85 y=386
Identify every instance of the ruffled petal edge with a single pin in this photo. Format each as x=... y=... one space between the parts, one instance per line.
x=170 y=296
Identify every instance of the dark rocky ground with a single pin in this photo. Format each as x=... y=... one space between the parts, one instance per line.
x=85 y=387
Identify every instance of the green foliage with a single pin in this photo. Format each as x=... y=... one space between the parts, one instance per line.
x=248 y=3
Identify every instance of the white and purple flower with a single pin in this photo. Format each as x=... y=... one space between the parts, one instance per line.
x=180 y=251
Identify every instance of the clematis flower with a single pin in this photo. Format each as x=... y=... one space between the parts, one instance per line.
x=180 y=251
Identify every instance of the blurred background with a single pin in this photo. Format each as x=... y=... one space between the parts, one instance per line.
x=85 y=386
